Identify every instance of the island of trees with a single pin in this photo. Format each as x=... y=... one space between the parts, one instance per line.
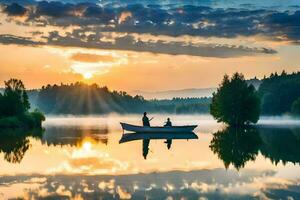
x=14 y=107
x=238 y=103
x=235 y=102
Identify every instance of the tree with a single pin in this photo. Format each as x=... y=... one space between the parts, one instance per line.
x=279 y=93
x=296 y=107
x=14 y=100
x=235 y=102
x=236 y=146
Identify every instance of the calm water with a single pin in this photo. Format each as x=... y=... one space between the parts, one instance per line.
x=81 y=158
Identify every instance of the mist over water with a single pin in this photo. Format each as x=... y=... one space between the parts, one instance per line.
x=203 y=121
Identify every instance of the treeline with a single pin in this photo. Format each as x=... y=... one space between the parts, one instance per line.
x=280 y=94
x=80 y=98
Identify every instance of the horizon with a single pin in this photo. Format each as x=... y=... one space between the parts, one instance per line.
x=184 y=93
x=174 y=46
x=2 y=86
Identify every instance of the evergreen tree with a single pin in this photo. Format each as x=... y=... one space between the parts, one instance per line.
x=14 y=100
x=235 y=102
x=296 y=107
x=279 y=93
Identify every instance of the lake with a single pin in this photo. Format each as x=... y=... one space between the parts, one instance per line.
x=81 y=158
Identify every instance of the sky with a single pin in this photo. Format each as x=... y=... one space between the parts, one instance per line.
x=146 y=45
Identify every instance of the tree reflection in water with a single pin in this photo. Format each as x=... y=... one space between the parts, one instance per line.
x=281 y=144
x=237 y=146
x=15 y=142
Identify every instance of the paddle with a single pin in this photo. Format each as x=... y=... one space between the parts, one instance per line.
x=151 y=119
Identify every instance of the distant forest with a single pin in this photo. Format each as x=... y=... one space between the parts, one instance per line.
x=279 y=93
x=80 y=98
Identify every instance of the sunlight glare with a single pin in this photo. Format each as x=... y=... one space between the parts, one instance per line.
x=87 y=146
x=87 y=75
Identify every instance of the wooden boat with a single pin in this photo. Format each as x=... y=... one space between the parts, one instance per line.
x=158 y=129
x=127 y=137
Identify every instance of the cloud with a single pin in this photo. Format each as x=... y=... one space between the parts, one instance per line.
x=128 y=42
x=20 y=2
x=124 y=16
x=202 y=184
x=173 y=21
x=12 y=39
x=91 y=58
x=54 y=9
x=15 y=9
x=88 y=160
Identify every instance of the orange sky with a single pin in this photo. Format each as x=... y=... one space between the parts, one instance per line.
x=125 y=70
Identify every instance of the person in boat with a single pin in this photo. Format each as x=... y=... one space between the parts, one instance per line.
x=168 y=142
x=168 y=123
x=146 y=121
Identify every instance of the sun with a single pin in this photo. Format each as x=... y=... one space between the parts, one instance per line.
x=87 y=146
x=87 y=75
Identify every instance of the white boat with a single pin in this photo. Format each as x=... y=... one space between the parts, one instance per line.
x=127 y=137
x=158 y=129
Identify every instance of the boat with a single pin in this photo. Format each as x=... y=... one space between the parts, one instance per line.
x=127 y=137
x=158 y=129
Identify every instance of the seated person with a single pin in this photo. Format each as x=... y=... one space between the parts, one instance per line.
x=168 y=123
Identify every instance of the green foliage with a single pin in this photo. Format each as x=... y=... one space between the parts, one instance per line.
x=25 y=120
x=192 y=108
x=236 y=146
x=296 y=107
x=9 y=122
x=279 y=92
x=235 y=102
x=80 y=98
x=14 y=143
x=14 y=106
x=32 y=119
x=281 y=145
x=14 y=100
x=38 y=118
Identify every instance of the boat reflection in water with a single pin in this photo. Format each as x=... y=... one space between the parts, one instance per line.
x=146 y=137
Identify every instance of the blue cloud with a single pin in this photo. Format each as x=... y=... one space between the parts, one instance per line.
x=160 y=19
x=15 y=9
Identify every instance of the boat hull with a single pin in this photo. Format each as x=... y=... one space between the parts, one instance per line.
x=157 y=129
